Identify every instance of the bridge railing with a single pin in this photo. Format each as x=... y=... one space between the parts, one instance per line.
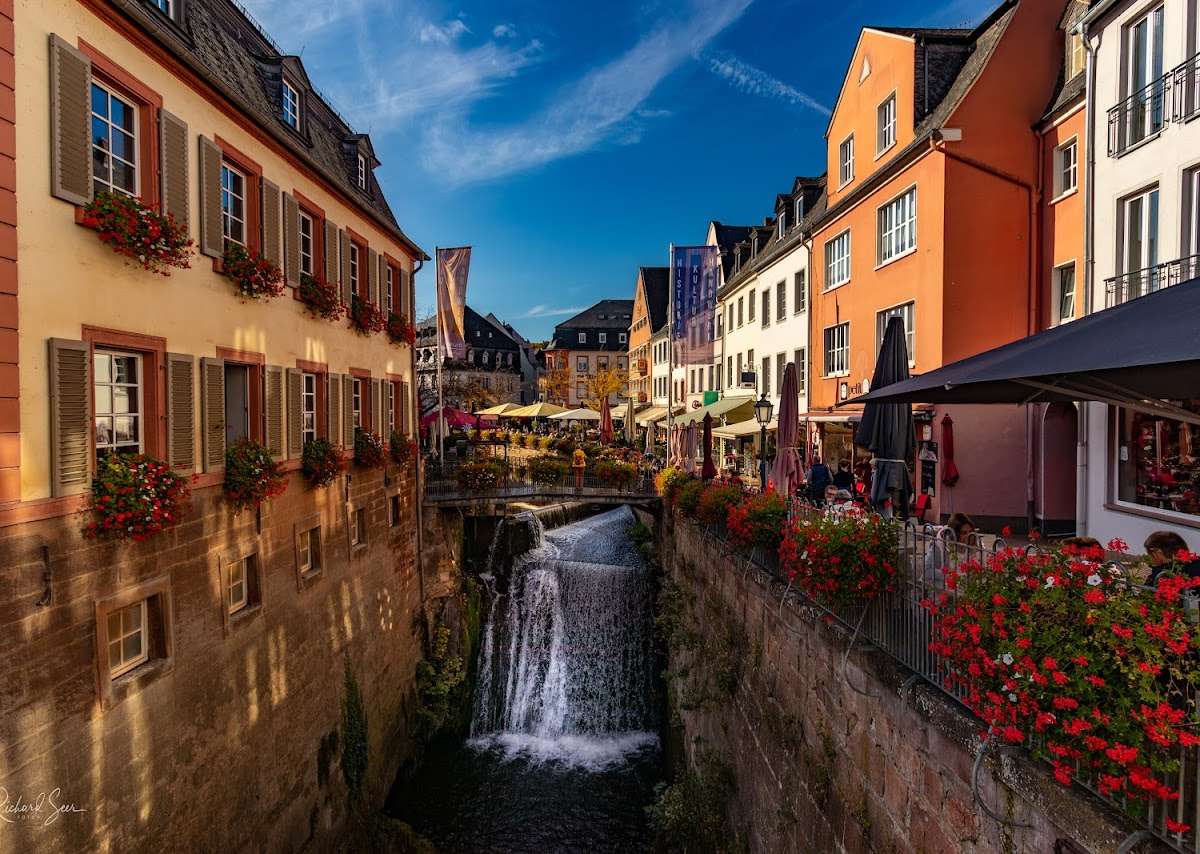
x=442 y=481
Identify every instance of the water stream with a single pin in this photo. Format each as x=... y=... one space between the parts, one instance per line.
x=563 y=752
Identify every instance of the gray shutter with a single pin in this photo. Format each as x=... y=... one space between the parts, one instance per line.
x=212 y=413
x=333 y=403
x=295 y=418
x=405 y=302
x=404 y=401
x=377 y=407
x=70 y=123
x=273 y=410
x=331 y=253
x=181 y=411
x=173 y=166
x=373 y=279
x=212 y=241
x=70 y=417
x=343 y=240
x=382 y=265
x=291 y=239
x=272 y=247
x=348 y=410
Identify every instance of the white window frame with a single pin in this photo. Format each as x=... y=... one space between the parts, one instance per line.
x=1057 y=294
x=837 y=267
x=388 y=286
x=164 y=6
x=846 y=161
x=1066 y=169
x=582 y=337
x=906 y=311
x=356 y=402
x=602 y=337
x=885 y=125
x=622 y=337
x=801 y=359
x=358 y=526
x=800 y=293
x=799 y=210
x=1147 y=227
x=108 y=153
x=138 y=628
x=306 y=243
x=1076 y=55
x=290 y=96
x=1192 y=195
x=782 y=224
x=896 y=228
x=354 y=258
x=237 y=585
x=308 y=407
x=362 y=172
x=1152 y=69
x=112 y=385
x=836 y=352
x=308 y=550
x=227 y=196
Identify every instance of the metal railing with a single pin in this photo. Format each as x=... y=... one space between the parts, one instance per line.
x=897 y=625
x=520 y=480
x=1128 y=286
x=1187 y=89
x=1140 y=116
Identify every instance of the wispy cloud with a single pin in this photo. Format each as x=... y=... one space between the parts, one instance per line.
x=548 y=311
x=443 y=33
x=504 y=31
x=754 y=81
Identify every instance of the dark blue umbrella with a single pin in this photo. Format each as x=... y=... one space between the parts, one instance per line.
x=886 y=429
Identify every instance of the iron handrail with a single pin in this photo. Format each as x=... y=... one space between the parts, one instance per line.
x=1186 y=94
x=1138 y=283
x=1139 y=116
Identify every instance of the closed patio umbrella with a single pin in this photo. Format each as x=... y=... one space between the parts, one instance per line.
x=787 y=471
x=650 y=438
x=690 y=441
x=606 y=424
x=630 y=426
x=709 y=470
x=950 y=473
x=887 y=429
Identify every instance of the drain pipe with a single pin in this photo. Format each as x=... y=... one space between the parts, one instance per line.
x=1082 y=527
x=414 y=408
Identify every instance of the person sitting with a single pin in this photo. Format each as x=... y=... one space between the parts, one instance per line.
x=844 y=479
x=818 y=479
x=829 y=496
x=962 y=525
x=1168 y=553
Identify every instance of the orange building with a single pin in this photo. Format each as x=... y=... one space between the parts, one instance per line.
x=934 y=202
x=649 y=315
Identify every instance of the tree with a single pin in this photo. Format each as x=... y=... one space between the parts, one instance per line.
x=601 y=385
x=555 y=384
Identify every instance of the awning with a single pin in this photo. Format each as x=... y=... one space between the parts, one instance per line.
x=654 y=414
x=583 y=414
x=743 y=428
x=831 y=417
x=1136 y=355
x=500 y=409
x=729 y=408
x=534 y=410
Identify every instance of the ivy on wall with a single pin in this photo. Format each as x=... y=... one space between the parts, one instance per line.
x=355 y=750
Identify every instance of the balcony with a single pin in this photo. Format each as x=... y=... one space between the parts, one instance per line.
x=1186 y=90
x=1141 y=116
x=1129 y=286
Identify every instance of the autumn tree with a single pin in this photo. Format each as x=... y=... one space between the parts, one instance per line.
x=556 y=385
x=603 y=384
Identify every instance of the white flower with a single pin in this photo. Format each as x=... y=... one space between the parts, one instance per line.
x=1012 y=698
x=1007 y=658
x=1050 y=581
x=1093 y=580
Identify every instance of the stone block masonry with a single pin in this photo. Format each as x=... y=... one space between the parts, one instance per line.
x=232 y=743
x=821 y=768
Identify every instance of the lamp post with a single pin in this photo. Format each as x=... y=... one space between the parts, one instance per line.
x=763 y=409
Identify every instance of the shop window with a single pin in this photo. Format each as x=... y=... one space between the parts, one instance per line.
x=1158 y=461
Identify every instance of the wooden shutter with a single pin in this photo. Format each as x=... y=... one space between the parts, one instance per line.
x=70 y=123
x=389 y=408
x=382 y=265
x=295 y=417
x=348 y=410
x=373 y=279
x=70 y=416
x=291 y=240
x=181 y=411
x=273 y=410
x=331 y=253
x=377 y=407
x=212 y=413
x=212 y=240
x=333 y=402
x=405 y=283
x=272 y=225
x=173 y=166
x=343 y=240
x=404 y=393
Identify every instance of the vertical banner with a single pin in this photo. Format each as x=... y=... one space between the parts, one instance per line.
x=694 y=278
x=452 y=268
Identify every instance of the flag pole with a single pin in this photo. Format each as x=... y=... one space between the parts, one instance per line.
x=441 y=355
x=670 y=343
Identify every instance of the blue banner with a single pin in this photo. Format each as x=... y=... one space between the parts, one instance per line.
x=695 y=274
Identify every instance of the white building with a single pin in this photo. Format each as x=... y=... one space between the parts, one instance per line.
x=1140 y=473
x=660 y=365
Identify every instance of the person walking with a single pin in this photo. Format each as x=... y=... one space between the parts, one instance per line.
x=844 y=479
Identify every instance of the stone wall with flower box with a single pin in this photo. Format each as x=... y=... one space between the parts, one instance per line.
x=228 y=736
x=822 y=767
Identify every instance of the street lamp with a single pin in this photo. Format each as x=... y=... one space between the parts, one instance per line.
x=763 y=410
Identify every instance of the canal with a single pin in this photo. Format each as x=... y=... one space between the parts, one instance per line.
x=564 y=750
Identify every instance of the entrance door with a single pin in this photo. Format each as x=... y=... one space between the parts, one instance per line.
x=237 y=403
x=1059 y=453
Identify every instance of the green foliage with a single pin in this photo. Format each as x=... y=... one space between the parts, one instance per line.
x=369 y=452
x=687 y=496
x=616 y=474
x=547 y=470
x=481 y=475
x=437 y=677
x=670 y=617
x=251 y=475
x=320 y=462
x=715 y=501
x=758 y=521
x=691 y=815
x=355 y=743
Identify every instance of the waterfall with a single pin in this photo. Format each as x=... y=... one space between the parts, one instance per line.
x=566 y=661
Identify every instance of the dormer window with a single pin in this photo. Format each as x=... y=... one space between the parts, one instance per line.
x=737 y=258
x=362 y=172
x=754 y=247
x=782 y=223
x=164 y=6
x=290 y=99
x=799 y=209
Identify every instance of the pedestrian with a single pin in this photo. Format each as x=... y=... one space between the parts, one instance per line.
x=1168 y=553
x=818 y=478
x=962 y=525
x=844 y=479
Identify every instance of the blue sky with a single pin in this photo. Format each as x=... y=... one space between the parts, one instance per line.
x=570 y=143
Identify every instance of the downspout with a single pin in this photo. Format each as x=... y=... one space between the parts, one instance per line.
x=1035 y=452
x=1082 y=527
x=414 y=403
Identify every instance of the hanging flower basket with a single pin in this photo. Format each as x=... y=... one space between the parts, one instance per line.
x=841 y=560
x=135 y=497
x=400 y=331
x=251 y=476
x=402 y=449
x=365 y=317
x=369 y=452
x=321 y=298
x=140 y=234
x=758 y=521
x=321 y=462
x=253 y=276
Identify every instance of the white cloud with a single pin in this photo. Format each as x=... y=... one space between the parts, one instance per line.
x=547 y=311
x=504 y=31
x=754 y=81
x=445 y=33
x=654 y=114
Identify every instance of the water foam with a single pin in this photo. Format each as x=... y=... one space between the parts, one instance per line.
x=588 y=753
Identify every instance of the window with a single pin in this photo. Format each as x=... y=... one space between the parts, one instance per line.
x=885 y=123
x=362 y=172
x=782 y=224
x=233 y=204
x=729 y=370
x=114 y=143
x=237 y=586
x=128 y=644
x=1075 y=55
x=603 y=337
x=801 y=359
x=739 y=306
x=308 y=408
x=846 y=161
x=582 y=337
x=750 y=360
x=799 y=209
x=308 y=551
x=1064 y=293
x=750 y=308
x=898 y=227
x=906 y=313
x=357 y=403
x=781 y=301
x=238 y=389
x=163 y=6
x=357 y=525
x=117 y=402
x=354 y=256
x=780 y=367
x=394 y=514
x=306 y=244
x=837 y=261
x=581 y=364
x=291 y=105
x=622 y=337
x=739 y=369
x=602 y=363
x=387 y=288
x=390 y=421
x=837 y=350
x=580 y=391
x=800 y=297
x=766 y=308
x=1145 y=83
x=1191 y=208
x=1156 y=463
x=766 y=376
x=1139 y=246
x=1066 y=167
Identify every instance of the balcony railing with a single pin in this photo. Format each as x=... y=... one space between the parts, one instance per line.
x=1140 y=116
x=1128 y=286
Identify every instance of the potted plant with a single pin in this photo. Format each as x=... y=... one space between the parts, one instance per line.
x=402 y=449
x=481 y=475
x=253 y=276
x=400 y=331
x=368 y=449
x=153 y=241
x=321 y=298
x=758 y=522
x=321 y=462
x=365 y=316
x=134 y=497
x=251 y=475
x=841 y=560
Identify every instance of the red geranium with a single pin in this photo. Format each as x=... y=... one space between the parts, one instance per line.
x=251 y=475
x=758 y=521
x=134 y=497
x=841 y=559
x=254 y=276
x=154 y=241
x=365 y=316
x=400 y=331
x=321 y=298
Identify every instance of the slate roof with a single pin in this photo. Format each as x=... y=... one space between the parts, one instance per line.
x=729 y=236
x=608 y=315
x=657 y=282
x=233 y=54
x=1065 y=94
